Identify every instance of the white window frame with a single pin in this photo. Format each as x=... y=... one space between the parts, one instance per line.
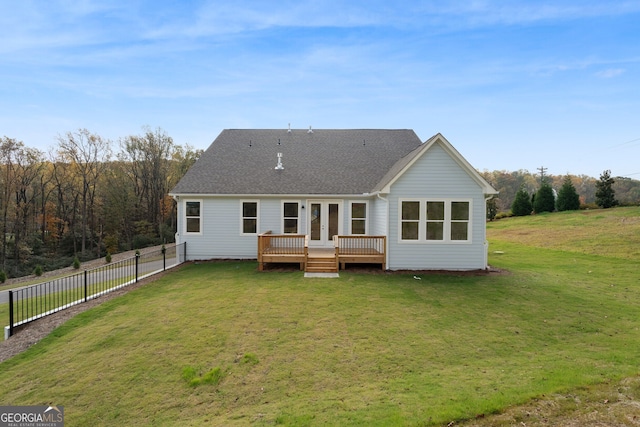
x=242 y=217
x=185 y=217
x=365 y=219
x=283 y=218
x=422 y=224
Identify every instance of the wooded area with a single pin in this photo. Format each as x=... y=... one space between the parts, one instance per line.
x=83 y=200
x=89 y=196
x=627 y=190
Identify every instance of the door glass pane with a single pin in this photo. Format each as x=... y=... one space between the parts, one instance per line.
x=316 y=220
x=333 y=220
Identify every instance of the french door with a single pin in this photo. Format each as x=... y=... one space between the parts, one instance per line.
x=324 y=222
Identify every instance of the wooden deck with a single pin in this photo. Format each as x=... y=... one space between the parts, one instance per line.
x=294 y=248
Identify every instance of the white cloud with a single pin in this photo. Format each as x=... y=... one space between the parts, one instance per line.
x=610 y=73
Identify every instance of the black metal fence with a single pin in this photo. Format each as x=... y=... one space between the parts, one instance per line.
x=34 y=302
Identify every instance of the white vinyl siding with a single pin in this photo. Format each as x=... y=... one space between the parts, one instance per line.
x=437 y=177
x=378 y=221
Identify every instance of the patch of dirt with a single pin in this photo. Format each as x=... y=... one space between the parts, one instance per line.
x=614 y=404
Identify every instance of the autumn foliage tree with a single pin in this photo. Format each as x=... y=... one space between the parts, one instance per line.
x=78 y=202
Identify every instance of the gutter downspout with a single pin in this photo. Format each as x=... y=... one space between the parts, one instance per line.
x=386 y=226
x=486 y=242
x=178 y=221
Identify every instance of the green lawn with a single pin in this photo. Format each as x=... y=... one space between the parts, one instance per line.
x=221 y=344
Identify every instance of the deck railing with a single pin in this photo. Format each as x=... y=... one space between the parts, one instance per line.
x=361 y=250
x=282 y=248
x=294 y=248
x=281 y=243
x=360 y=245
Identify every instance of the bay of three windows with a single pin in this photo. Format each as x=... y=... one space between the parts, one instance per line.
x=435 y=220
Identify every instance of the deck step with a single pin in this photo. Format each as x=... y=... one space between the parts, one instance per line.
x=321 y=265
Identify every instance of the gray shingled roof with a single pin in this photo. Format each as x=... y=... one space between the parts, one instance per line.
x=242 y=161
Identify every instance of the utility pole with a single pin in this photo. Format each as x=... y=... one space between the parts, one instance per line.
x=542 y=170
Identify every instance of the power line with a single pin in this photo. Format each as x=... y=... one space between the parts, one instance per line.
x=624 y=143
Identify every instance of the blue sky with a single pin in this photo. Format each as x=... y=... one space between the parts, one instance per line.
x=511 y=84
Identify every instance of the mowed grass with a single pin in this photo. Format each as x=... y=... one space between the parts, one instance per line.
x=221 y=344
x=607 y=232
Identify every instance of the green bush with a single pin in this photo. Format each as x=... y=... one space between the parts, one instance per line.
x=108 y=258
x=38 y=270
x=504 y=215
x=544 y=200
x=521 y=205
x=568 y=198
x=76 y=263
x=3 y=276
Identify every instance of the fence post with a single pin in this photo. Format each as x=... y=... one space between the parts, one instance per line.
x=10 y=313
x=184 y=256
x=137 y=258
x=85 y=286
x=164 y=258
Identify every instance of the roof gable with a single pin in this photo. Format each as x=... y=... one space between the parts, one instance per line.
x=326 y=161
x=402 y=165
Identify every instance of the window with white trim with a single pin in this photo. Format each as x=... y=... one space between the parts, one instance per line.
x=425 y=220
x=358 y=214
x=192 y=216
x=249 y=212
x=290 y=217
x=460 y=221
x=410 y=220
x=435 y=220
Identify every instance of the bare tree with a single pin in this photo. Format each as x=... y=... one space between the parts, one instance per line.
x=21 y=169
x=148 y=158
x=87 y=155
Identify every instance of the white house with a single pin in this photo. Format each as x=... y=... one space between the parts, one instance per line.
x=426 y=200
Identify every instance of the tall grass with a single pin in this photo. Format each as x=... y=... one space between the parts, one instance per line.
x=364 y=349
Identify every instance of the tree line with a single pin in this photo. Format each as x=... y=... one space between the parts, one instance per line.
x=557 y=191
x=88 y=196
